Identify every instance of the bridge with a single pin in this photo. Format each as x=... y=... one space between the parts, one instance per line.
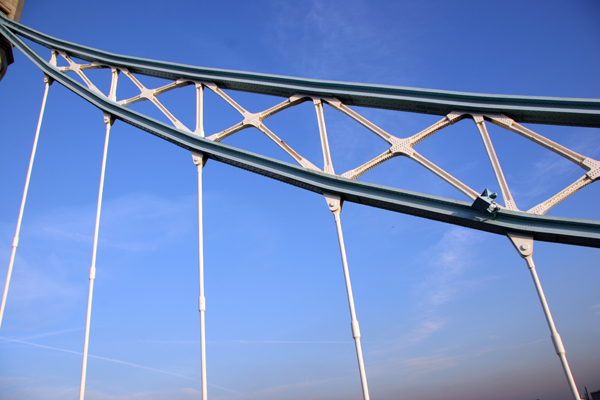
x=522 y=227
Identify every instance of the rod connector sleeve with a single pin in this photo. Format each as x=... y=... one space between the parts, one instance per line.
x=15 y=242
x=92 y=273
x=201 y=303
x=558 y=344
x=355 y=329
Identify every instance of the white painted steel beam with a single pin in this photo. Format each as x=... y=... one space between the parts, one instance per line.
x=509 y=202
x=328 y=164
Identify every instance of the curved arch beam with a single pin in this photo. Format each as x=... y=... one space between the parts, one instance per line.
x=528 y=109
x=541 y=227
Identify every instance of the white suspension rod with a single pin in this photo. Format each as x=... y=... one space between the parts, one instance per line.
x=334 y=203
x=199 y=161
x=556 y=340
x=15 y=243
x=524 y=245
x=109 y=121
x=202 y=298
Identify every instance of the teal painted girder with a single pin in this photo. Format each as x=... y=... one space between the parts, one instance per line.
x=541 y=227
x=527 y=109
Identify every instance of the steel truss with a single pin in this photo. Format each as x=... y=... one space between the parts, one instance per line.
x=522 y=227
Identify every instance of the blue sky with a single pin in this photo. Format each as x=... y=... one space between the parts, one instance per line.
x=444 y=311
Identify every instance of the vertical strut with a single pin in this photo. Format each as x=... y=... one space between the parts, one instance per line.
x=335 y=205
x=15 y=243
x=108 y=120
x=200 y=160
x=509 y=201
x=328 y=165
x=524 y=245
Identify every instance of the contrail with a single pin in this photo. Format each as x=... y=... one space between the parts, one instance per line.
x=51 y=333
x=115 y=361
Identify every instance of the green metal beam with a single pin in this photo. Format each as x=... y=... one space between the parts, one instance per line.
x=541 y=227
x=527 y=109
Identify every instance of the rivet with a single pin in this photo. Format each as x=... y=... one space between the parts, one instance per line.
x=524 y=247
x=331 y=204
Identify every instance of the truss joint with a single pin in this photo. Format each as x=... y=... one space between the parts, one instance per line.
x=334 y=202
x=593 y=168
x=401 y=147
x=523 y=243
x=253 y=119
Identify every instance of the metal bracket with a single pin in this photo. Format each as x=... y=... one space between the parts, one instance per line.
x=108 y=118
x=485 y=202
x=199 y=159
x=48 y=80
x=523 y=243
x=334 y=202
x=594 y=168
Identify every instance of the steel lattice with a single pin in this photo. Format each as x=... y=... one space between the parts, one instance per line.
x=398 y=146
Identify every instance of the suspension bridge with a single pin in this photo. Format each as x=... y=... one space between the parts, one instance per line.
x=68 y=63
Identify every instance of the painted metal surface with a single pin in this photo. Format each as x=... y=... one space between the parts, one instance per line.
x=528 y=109
x=199 y=162
x=524 y=246
x=335 y=206
x=108 y=121
x=522 y=228
x=308 y=176
x=15 y=243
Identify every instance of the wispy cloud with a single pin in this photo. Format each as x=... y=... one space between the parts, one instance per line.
x=100 y=358
x=528 y=344
x=416 y=367
x=425 y=329
x=189 y=391
x=286 y=342
x=447 y=262
x=113 y=360
x=123 y=223
x=40 y=281
x=429 y=364
x=585 y=142
x=551 y=173
x=328 y=33
x=307 y=388
x=234 y=341
x=540 y=182
x=44 y=392
x=46 y=334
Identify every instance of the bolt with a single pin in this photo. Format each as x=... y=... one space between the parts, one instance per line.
x=524 y=247
x=331 y=204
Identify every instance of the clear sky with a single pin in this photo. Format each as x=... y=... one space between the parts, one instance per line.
x=445 y=312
